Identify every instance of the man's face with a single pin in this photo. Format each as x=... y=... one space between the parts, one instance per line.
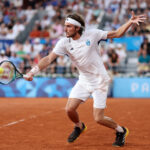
x=70 y=30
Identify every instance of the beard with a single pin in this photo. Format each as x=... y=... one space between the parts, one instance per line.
x=71 y=35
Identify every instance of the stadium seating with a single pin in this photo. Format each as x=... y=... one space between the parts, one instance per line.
x=44 y=20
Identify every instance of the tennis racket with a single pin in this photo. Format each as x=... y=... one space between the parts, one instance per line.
x=10 y=72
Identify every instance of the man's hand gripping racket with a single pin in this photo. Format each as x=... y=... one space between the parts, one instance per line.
x=29 y=75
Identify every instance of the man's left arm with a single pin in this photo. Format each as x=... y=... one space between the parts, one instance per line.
x=120 y=31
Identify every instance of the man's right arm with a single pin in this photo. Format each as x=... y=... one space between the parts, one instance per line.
x=121 y=31
x=43 y=63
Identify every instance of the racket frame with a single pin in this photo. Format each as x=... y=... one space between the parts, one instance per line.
x=15 y=71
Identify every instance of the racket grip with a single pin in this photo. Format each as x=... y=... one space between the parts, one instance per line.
x=27 y=77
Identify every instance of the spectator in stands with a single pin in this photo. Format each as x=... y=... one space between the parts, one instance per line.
x=29 y=13
x=1 y=19
x=120 y=50
x=60 y=68
x=89 y=13
x=21 y=15
x=50 y=10
x=27 y=47
x=96 y=11
x=32 y=3
x=113 y=62
x=133 y=5
x=6 y=3
x=10 y=35
x=114 y=5
x=52 y=67
x=45 y=33
x=2 y=55
x=39 y=31
x=33 y=56
x=58 y=27
x=45 y=22
x=143 y=62
x=21 y=54
x=15 y=47
x=16 y=60
x=110 y=45
x=6 y=19
x=110 y=48
x=17 y=3
x=37 y=45
x=36 y=32
x=44 y=52
x=8 y=52
x=18 y=27
x=25 y=57
x=54 y=35
x=142 y=4
x=93 y=22
x=3 y=30
x=109 y=15
x=58 y=16
x=115 y=24
x=144 y=46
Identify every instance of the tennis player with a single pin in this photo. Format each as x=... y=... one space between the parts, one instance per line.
x=82 y=47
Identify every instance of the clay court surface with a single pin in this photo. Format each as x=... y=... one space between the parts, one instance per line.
x=42 y=124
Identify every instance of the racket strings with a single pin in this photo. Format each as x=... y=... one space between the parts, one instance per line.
x=9 y=73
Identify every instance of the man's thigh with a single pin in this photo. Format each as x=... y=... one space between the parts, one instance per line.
x=99 y=98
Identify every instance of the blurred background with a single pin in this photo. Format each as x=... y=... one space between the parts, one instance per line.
x=29 y=29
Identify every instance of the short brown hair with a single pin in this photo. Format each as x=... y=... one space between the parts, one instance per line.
x=78 y=18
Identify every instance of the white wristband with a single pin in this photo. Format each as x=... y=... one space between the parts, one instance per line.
x=35 y=70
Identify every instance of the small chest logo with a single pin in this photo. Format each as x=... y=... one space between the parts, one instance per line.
x=88 y=42
x=71 y=49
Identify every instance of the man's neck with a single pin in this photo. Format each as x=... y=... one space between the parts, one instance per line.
x=76 y=37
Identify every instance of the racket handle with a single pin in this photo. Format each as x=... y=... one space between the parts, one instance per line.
x=27 y=77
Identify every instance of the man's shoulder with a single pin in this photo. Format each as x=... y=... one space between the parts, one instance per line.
x=64 y=40
x=92 y=31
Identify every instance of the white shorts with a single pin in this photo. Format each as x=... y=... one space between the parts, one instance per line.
x=83 y=92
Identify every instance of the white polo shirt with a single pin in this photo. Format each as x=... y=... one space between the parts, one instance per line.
x=85 y=55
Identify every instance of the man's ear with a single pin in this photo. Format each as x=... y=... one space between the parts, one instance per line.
x=77 y=28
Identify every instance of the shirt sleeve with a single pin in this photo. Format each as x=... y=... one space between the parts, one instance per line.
x=102 y=34
x=99 y=34
x=60 y=48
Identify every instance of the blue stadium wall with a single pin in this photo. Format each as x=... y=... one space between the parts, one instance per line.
x=39 y=87
x=131 y=87
x=61 y=87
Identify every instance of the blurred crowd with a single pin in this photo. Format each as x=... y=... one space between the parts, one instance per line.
x=13 y=18
x=144 y=58
x=108 y=14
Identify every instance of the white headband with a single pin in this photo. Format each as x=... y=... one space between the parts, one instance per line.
x=72 y=21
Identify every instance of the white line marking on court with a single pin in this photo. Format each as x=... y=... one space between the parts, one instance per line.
x=31 y=117
x=12 y=123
